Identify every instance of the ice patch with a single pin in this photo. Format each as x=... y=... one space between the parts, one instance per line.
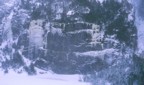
x=71 y=12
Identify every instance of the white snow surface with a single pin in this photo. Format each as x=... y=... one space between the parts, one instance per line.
x=101 y=1
x=42 y=79
x=10 y=3
x=97 y=53
x=71 y=12
x=140 y=27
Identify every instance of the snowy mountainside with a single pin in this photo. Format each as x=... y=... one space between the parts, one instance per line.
x=94 y=38
x=44 y=79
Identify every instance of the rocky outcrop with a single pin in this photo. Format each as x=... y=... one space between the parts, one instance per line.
x=97 y=39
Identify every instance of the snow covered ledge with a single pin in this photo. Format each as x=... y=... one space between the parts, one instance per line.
x=42 y=79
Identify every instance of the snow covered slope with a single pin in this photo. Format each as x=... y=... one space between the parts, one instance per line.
x=45 y=79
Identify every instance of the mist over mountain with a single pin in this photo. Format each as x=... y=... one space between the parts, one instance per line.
x=99 y=39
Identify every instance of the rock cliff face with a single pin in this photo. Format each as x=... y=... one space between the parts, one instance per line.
x=96 y=38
